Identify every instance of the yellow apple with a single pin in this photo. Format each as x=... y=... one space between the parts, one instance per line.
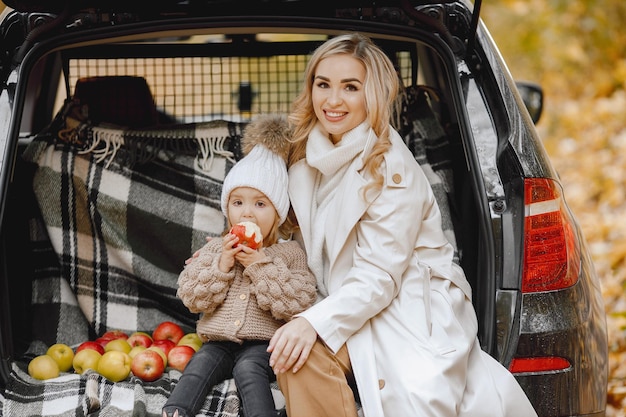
x=63 y=355
x=114 y=365
x=86 y=359
x=120 y=345
x=135 y=350
x=191 y=339
x=43 y=367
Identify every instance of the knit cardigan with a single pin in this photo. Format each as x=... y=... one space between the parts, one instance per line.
x=246 y=303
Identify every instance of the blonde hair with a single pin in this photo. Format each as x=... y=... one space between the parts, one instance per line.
x=382 y=86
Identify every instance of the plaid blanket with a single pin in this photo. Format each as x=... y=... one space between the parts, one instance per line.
x=119 y=214
x=120 y=211
x=91 y=394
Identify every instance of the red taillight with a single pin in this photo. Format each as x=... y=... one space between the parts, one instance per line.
x=539 y=364
x=551 y=251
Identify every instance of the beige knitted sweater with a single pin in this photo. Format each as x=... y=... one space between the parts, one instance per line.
x=251 y=303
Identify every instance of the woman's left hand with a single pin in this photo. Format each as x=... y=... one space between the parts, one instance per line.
x=291 y=345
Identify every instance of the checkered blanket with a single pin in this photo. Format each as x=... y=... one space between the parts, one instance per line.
x=91 y=394
x=120 y=211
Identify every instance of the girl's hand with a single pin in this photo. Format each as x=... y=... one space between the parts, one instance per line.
x=247 y=256
x=291 y=345
x=230 y=249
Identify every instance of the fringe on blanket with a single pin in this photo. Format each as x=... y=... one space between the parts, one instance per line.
x=208 y=140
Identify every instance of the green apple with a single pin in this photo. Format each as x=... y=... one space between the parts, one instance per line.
x=43 y=367
x=120 y=345
x=86 y=359
x=62 y=354
x=191 y=339
x=135 y=350
x=114 y=365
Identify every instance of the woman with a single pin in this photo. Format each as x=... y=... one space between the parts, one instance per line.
x=393 y=311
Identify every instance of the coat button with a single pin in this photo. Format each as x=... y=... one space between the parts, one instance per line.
x=237 y=323
x=381 y=383
x=242 y=296
x=396 y=178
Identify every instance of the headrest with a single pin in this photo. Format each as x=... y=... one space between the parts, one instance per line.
x=120 y=100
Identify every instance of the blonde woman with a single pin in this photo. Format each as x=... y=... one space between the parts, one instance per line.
x=394 y=313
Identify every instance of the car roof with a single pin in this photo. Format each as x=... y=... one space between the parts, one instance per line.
x=188 y=6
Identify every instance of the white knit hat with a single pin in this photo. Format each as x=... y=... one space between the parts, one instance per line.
x=263 y=170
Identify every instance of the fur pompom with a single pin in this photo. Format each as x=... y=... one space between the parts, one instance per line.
x=270 y=130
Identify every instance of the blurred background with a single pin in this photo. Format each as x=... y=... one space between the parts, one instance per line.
x=575 y=51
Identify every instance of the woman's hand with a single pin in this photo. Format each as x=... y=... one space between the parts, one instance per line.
x=291 y=345
x=196 y=253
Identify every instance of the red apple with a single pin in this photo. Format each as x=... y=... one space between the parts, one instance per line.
x=179 y=355
x=91 y=344
x=164 y=344
x=160 y=352
x=139 y=339
x=249 y=234
x=168 y=330
x=114 y=334
x=102 y=342
x=147 y=365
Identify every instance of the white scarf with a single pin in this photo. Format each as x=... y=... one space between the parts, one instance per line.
x=331 y=161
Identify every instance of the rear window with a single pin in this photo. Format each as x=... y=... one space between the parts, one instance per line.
x=218 y=76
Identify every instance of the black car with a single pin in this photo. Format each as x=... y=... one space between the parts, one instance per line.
x=119 y=120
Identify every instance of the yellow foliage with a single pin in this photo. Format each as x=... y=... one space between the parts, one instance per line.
x=575 y=50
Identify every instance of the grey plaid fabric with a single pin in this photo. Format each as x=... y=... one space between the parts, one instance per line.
x=110 y=243
x=120 y=211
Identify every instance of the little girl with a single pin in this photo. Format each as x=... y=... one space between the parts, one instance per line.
x=244 y=294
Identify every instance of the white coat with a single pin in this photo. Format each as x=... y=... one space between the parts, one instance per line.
x=398 y=301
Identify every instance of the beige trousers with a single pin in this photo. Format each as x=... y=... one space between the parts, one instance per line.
x=320 y=388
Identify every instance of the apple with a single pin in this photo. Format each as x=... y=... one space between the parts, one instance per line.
x=165 y=345
x=118 y=344
x=114 y=365
x=249 y=234
x=179 y=356
x=168 y=330
x=160 y=352
x=86 y=359
x=114 y=334
x=135 y=350
x=43 y=367
x=139 y=339
x=62 y=354
x=90 y=344
x=102 y=341
x=148 y=365
x=191 y=339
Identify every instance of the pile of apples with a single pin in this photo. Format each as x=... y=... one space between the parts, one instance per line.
x=115 y=354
